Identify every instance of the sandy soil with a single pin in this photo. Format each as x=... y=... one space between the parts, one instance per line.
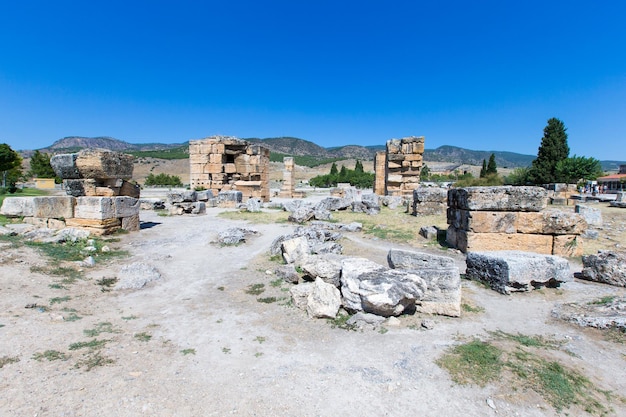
x=213 y=349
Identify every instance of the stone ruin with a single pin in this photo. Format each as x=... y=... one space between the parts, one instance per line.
x=288 y=189
x=397 y=170
x=511 y=218
x=100 y=198
x=620 y=200
x=224 y=163
x=429 y=201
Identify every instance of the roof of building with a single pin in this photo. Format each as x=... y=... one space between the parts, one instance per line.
x=612 y=177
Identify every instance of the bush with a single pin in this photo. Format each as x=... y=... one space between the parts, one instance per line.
x=356 y=177
x=163 y=180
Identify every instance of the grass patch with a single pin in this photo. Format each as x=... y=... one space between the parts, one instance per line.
x=604 y=301
x=106 y=283
x=76 y=251
x=143 y=337
x=189 y=351
x=277 y=282
x=103 y=327
x=267 y=300
x=59 y=300
x=226 y=350
x=50 y=355
x=92 y=344
x=260 y=339
x=93 y=360
x=474 y=362
x=131 y=317
x=518 y=359
x=72 y=317
x=616 y=335
x=468 y=308
x=341 y=322
x=6 y=360
x=255 y=289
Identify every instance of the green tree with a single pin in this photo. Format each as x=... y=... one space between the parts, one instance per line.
x=333 y=169
x=553 y=149
x=483 y=170
x=40 y=167
x=163 y=180
x=358 y=167
x=576 y=168
x=519 y=176
x=492 y=168
x=425 y=173
x=10 y=163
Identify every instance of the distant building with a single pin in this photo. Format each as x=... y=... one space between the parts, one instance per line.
x=614 y=182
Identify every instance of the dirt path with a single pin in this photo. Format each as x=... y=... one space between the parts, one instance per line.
x=196 y=344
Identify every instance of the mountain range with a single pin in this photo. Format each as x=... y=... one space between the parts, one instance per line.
x=297 y=147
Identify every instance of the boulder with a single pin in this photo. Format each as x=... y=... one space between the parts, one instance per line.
x=501 y=198
x=234 y=236
x=295 y=250
x=371 y=203
x=323 y=300
x=301 y=215
x=365 y=321
x=608 y=267
x=351 y=270
x=288 y=273
x=326 y=267
x=300 y=294
x=429 y=232
x=391 y=292
x=334 y=204
x=513 y=271
x=253 y=205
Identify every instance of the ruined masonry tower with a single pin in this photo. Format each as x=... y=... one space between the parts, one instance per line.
x=397 y=170
x=225 y=163
x=289 y=186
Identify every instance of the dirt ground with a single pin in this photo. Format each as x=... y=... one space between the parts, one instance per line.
x=195 y=343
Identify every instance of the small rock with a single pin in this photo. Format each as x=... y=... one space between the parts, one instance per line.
x=393 y=322
x=428 y=324
x=491 y=404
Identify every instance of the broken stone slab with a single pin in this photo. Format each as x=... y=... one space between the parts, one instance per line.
x=323 y=301
x=326 y=267
x=442 y=277
x=18 y=207
x=204 y=195
x=199 y=207
x=291 y=205
x=430 y=195
x=404 y=259
x=392 y=202
x=501 y=198
x=288 y=273
x=390 y=292
x=365 y=321
x=429 y=232
x=136 y=275
x=607 y=267
x=151 y=204
x=234 y=235
x=351 y=269
x=514 y=271
x=253 y=205
x=229 y=198
x=592 y=215
x=126 y=206
x=187 y=196
x=301 y=215
x=334 y=204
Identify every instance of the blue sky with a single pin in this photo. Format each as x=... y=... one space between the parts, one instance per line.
x=484 y=75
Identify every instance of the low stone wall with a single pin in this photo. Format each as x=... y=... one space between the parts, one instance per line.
x=98 y=215
x=511 y=218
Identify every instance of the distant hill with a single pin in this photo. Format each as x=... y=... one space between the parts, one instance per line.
x=301 y=147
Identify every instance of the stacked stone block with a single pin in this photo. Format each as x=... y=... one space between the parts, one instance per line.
x=402 y=164
x=221 y=163
x=288 y=188
x=429 y=201
x=511 y=218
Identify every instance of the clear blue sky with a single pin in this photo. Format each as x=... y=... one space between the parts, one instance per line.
x=483 y=75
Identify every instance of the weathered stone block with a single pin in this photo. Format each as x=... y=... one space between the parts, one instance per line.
x=430 y=194
x=592 y=215
x=101 y=164
x=323 y=300
x=510 y=271
x=404 y=259
x=471 y=242
x=130 y=223
x=126 y=206
x=80 y=187
x=553 y=222
x=96 y=226
x=18 y=207
x=504 y=198
x=483 y=221
x=608 y=267
x=99 y=208
x=64 y=166
x=55 y=207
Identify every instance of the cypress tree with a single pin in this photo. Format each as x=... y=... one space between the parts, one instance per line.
x=553 y=149
x=483 y=170
x=492 y=168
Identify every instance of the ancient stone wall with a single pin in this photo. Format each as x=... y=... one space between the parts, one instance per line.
x=402 y=167
x=511 y=218
x=220 y=163
x=288 y=188
x=100 y=197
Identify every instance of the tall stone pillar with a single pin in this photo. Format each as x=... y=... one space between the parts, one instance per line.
x=289 y=187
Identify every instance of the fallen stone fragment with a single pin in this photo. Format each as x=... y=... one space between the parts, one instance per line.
x=607 y=267
x=136 y=275
x=323 y=301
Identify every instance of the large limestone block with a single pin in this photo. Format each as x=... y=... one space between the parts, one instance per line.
x=351 y=270
x=551 y=222
x=64 y=166
x=131 y=223
x=295 y=250
x=608 y=267
x=101 y=164
x=95 y=226
x=326 y=267
x=471 y=242
x=512 y=271
x=592 y=215
x=126 y=206
x=391 y=292
x=567 y=245
x=18 y=207
x=483 y=221
x=502 y=198
x=54 y=207
x=94 y=208
x=430 y=194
